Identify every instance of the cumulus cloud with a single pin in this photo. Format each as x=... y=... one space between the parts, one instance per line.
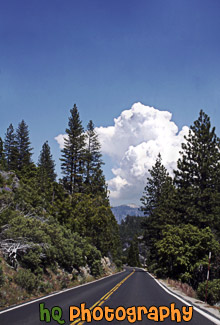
x=133 y=143
x=60 y=139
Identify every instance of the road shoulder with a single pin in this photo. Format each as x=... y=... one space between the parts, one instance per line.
x=200 y=305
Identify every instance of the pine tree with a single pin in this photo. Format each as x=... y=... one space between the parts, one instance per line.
x=23 y=146
x=73 y=153
x=98 y=184
x=93 y=155
x=94 y=180
x=133 y=253
x=2 y=155
x=10 y=149
x=159 y=203
x=152 y=191
x=197 y=176
x=46 y=166
x=131 y=258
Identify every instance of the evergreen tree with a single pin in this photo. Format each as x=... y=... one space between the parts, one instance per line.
x=152 y=191
x=2 y=155
x=93 y=155
x=197 y=176
x=131 y=259
x=95 y=180
x=130 y=227
x=46 y=166
x=133 y=253
x=91 y=218
x=23 y=146
x=10 y=149
x=159 y=202
x=98 y=183
x=73 y=153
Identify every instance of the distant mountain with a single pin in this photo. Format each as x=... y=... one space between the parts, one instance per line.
x=120 y=212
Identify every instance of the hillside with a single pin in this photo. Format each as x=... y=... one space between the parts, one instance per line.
x=122 y=211
x=53 y=234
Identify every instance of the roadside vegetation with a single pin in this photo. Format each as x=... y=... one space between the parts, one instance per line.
x=129 y=230
x=183 y=213
x=53 y=234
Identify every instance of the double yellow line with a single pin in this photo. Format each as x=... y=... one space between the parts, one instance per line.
x=104 y=298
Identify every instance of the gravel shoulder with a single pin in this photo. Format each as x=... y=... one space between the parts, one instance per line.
x=195 y=302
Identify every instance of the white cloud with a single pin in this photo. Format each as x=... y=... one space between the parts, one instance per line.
x=117 y=184
x=60 y=139
x=135 y=140
x=133 y=143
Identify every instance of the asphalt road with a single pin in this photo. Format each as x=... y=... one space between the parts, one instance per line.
x=127 y=289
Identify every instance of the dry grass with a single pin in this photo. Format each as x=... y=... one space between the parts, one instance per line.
x=12 y=294
x=51 y=281
x=183 y=287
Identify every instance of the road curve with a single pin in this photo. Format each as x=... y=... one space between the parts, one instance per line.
x=131 y=288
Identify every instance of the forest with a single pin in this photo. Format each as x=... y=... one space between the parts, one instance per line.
x=57 y=233
x=183 y=223
x=182 y=216
x=53 y=234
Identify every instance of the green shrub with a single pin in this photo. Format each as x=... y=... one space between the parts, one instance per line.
x=2 y=181
x=27 y=280
x=213 y=292
x=51 y=244
x=182 y=253
x=93 y=257
x=32 y=260
x=96 y=268
x=45 y=287
x=2 y=278
x=118 y=263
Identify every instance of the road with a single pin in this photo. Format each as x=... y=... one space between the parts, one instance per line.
x=131 y=288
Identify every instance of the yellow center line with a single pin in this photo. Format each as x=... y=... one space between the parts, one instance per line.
x=104 y=298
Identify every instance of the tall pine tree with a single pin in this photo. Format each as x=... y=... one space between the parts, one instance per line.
x=94 y=178
x=153 y=190
x=159 y=201
x=73 y=153
x=23 y=146
x=198 y=175
x=10 y=149
x=46 y=166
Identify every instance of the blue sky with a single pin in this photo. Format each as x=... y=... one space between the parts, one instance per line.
x=105 y=56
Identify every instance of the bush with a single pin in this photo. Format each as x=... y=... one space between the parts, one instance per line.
x=2 y=279
x=213 y=292
x=182 y=253
x=32 y=260
x=45 y=287
x=27 y=280
x=118 y=263
x=96 y=268
x=2 y=181
x=51 y=243
x=93 y=257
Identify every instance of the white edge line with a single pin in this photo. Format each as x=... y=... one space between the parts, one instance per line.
x=55 y=294
x=213 y=319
